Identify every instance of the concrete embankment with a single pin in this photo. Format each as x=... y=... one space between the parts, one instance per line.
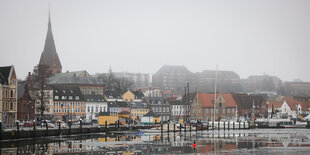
x=33 y=133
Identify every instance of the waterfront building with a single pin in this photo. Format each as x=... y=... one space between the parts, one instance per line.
x=151 y=118
x=49 y=56
x=8 y=96
x=140 y=80
x=113 y=108
x=132 y=96
x=69 y=103
x=227 y=81
x=160 y=106
x=297 y=89
x=262 y=84
x=26 y=104
x=178 y=110
x=202 y=107
x=246 y=102
x=87 y=84
x=138 y=109
x=289 y=107
x=95 y=104
x=113 y=96
x=151 y=92
x=124 y=106
x=171 y=77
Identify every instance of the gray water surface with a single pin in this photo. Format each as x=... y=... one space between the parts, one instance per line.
x=254 y=141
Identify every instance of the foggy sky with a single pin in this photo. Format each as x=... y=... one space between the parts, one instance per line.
x=248 y=37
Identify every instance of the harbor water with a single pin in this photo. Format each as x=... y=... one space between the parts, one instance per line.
x=253 y=141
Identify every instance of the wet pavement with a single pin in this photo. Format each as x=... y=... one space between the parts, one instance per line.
x=254 y=141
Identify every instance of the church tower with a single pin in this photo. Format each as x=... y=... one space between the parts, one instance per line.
x=49 y=56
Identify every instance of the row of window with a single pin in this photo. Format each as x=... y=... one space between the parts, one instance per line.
x=160 y=109
x=70 y=104
x=178 y=107
x=96 y=109
x=6 y=94
x=68 y=110
x=178 y=113
x=70 y=107
x=139 y=110
x=6 y=106
x=67 y=97
x=207 y=110
x=95 y=92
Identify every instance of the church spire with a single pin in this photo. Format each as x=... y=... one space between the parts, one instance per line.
x=49 y=55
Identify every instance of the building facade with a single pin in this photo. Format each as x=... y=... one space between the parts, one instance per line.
x=227 y=81
x=94 y=105
x=160 y=106
x=178 y=110
x=203 y=108
x=8 y=96
x=172 y=78
x=69 y=103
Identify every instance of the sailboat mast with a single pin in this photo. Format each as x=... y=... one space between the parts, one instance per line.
x=215 y=94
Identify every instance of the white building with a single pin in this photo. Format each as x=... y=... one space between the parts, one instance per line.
x=94 y=105
x=178 y=110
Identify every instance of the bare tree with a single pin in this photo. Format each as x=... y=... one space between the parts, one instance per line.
x=124 y=84
x=40 y=88
x=116 y=84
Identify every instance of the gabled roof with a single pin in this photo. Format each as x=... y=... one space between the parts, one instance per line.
x=292 y=103
x=5 y=74
x=138 y=94
x=245 y=101
x=305 y=105
x=94 y=98
x=139 y=105
x=276 y=104
x=151 y=113
x=73 y=74
x=74 y=80
x=176 y=102
x=67 y=90
x=206 y=99
x=113 y=94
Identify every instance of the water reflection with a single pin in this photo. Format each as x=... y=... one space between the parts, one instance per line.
x=254 y=141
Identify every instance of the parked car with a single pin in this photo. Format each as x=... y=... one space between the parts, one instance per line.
x=87 y=122
x=63 y=125
x=28 y=124
x=51 y=125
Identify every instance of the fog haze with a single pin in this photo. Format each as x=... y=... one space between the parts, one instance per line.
x=248 y=37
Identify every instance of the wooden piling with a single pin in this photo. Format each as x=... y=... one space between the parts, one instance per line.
x=174 y=128
x=234 y=125
x=46 y=126
x=17 y=127
x=59 y=128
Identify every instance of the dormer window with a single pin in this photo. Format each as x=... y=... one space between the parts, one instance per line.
x=56 y=97
x=70 y=97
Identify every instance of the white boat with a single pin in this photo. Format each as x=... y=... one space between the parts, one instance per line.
x=275 y=123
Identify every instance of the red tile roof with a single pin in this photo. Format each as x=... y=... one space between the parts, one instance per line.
x=206 y=99
x=305 y=105
x=277 y=104
x=292 y=103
